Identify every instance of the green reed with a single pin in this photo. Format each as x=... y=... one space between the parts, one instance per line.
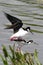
x=19 y=58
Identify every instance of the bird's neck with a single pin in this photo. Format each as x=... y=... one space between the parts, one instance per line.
x=24 y=29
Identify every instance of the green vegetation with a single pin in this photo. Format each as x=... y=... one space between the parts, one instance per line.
x=19 y=58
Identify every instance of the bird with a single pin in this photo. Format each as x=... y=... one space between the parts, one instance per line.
x=16 y=25
x=18 y=49
x=31 y=41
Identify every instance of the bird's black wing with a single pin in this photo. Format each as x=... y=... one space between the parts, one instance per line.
x=12 y=19
x=17 y=23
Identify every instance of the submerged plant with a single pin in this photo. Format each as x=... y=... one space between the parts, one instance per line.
x=17 y=58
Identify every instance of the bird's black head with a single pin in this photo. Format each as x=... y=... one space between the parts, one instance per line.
x=28 y=28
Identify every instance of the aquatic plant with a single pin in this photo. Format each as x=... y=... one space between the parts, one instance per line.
x=17 y=58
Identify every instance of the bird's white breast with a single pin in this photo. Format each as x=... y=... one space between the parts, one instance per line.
x=20 y=33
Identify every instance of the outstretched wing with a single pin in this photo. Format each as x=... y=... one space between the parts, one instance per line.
x=16 y=23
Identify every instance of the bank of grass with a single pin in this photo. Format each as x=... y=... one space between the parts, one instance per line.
x=18 y=58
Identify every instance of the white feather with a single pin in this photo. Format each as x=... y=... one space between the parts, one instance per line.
x=20 y=33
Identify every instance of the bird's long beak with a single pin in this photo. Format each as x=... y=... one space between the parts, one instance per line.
x=31 y=31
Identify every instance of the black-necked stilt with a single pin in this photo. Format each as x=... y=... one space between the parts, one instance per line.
x=16 y=25
x=19 y=31
x=31 y=41
x=26 y=43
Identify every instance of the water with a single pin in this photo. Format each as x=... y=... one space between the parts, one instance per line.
x=30 y=12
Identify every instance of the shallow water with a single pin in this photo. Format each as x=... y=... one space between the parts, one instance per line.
x=31 y=13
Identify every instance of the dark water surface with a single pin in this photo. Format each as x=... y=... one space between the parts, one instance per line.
x=31 y=13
